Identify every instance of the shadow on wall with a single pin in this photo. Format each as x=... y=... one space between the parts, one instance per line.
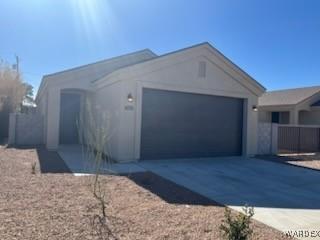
x=169 y=191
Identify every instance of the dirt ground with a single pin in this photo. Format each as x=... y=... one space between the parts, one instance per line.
x=61 y=206
x=304 y=160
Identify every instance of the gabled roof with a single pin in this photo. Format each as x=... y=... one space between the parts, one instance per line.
x=223 y=59
x=288 y=96
x=99 y=69
x=111 y=64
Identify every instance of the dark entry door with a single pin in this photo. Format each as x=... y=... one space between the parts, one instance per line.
x=184 y=125
x=69 y=116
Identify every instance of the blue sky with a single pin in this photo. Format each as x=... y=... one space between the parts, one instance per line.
x=276 y=41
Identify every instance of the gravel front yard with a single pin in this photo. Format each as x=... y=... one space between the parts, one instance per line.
x=61 y=206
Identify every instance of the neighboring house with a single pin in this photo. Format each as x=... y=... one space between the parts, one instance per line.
x=189 y=103
x=28 y=107
x=291 y=106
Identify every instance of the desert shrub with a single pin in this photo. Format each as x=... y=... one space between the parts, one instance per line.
x=13 y=92
x=93 y=129
x=237 y=227
x=33 y=168
x=12 y=89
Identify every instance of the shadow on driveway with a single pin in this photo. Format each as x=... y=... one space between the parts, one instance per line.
x=169 y=191
x=243 y=181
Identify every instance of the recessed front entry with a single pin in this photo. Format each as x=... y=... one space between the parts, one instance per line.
x=185 y=125
x=69 y=116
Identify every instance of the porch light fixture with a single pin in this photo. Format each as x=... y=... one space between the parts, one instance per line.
x=254 y=108
x=130 y=97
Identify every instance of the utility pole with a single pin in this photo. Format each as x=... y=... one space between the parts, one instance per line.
x=17 y=64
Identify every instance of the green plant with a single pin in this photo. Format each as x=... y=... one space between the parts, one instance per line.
x=237 y=227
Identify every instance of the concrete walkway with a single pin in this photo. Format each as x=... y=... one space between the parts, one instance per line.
x=284 y=197
x=76 y=158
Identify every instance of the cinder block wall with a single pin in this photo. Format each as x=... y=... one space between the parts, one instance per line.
x=26 y=129
x=267 y=138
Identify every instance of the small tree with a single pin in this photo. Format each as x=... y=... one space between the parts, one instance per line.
x=93 y=128
x=237 y=227
x=12 y=93
x=12 y=88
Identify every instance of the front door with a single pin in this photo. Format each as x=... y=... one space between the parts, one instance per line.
x=69 y=116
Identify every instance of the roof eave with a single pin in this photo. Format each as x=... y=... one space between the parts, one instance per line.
x=258 y=88
x=276 y=107
x=254 y=82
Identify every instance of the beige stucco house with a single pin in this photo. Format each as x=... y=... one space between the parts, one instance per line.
x=192 y=102
x=291 y=106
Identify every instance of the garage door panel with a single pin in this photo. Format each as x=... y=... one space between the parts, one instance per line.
x=183 y=125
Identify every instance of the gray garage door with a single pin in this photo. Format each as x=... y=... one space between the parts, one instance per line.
x=184 y=125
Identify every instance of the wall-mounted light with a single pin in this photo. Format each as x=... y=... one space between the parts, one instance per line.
x=254 y=108
x=130 y=97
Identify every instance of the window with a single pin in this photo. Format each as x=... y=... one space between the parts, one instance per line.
x=275 y=117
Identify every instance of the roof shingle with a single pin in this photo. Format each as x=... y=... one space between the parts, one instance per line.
x=287 y=96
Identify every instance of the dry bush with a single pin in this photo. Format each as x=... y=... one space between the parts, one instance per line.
x=93 y=129
x=12 y=88
x=33 y=168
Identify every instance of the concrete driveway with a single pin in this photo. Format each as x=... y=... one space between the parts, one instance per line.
x=284 y=197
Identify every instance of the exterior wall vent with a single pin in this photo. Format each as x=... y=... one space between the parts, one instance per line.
x=202 y=69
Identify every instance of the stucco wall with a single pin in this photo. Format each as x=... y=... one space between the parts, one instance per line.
x=177 y=76
x=81 y=78
x=107 y=105
x=264 y=116
x=42 y=109
x=310 y=117
x=51 y=97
